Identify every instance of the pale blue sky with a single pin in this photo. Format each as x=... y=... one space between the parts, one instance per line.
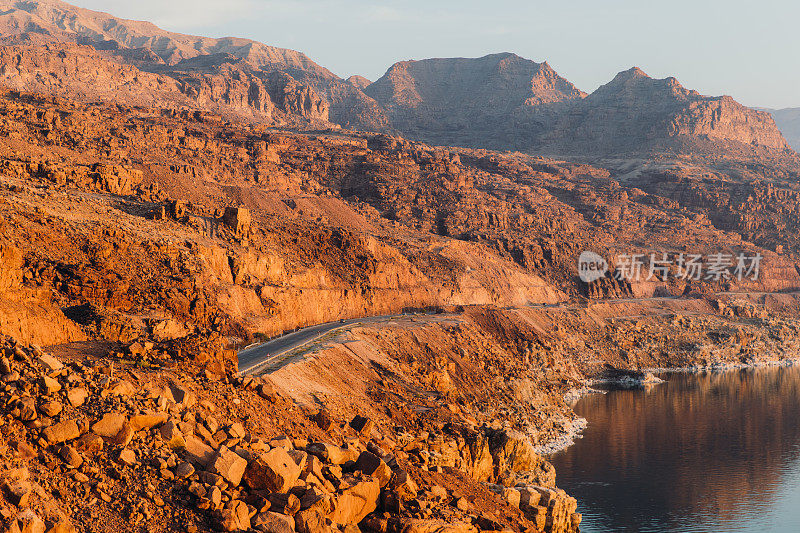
x=748 y=49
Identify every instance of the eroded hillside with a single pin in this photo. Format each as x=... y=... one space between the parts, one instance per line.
x=211 y=203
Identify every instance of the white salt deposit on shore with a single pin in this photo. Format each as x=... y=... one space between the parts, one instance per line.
x=573 y=430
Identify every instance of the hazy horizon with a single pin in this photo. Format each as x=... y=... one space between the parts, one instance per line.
x=734 y=48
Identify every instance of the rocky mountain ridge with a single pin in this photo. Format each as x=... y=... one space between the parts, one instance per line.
x=62 y=21
x=635 y=112
x=499 y=101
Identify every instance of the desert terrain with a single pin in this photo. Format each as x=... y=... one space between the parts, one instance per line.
x=169 y=200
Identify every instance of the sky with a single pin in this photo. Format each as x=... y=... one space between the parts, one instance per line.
x=747 y=49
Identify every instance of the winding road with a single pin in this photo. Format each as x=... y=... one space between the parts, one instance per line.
x=265 y=356
x=255 y=358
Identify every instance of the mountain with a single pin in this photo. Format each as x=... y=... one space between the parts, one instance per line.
x=63 y=50
x=635 y=112
x=788 y=121
x=499 y=101
x=468 y=101
x=23 y=18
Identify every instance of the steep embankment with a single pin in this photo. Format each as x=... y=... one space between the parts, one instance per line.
x=515 y=365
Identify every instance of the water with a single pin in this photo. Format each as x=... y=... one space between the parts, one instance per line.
x=701 y=453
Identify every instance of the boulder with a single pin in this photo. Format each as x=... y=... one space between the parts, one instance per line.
x=89 y=443
x=77 y=396
x=122 y=388
x=362 y=426
x=370 y=464
x=51 y=409
x=127 y=457
x=124 y=437
x=197 y=451
x=110 y=425
x=235 y=516
x=270 y=522
x=311 y=521
x=29 y=522
x=71 y=456
x=50 y=363
x=26 y=409
x=61 y=432
x=284 y=503
x=184 y=470
x=403 y=485
x=182 y=394
x=229 y=465
x=331 y=453
x=173 y=436
x=323 y=419
x=18 y=492
x=274 y=470
x=356 y=502
x=147 y=420
x=50 y=385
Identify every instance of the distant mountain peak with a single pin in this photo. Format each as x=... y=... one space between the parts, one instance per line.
x=633 y=73
x=360 y=82
x=500 y=100
x=65 y=22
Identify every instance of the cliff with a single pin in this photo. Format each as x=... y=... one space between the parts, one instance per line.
x=22 y=20
x=467 y=101
x=504 y=101
x=634 y=113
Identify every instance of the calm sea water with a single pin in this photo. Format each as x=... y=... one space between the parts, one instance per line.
x=701 y=453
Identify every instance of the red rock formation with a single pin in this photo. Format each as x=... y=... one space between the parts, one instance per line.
x=498 y=101
x=439 y=99
x=634 y=112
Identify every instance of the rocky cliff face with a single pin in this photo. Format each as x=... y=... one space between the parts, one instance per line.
x=28 y=313
x=634 y=112
x=475 y=100
x=82 y=72
x=59 y=49
x=505 y=101
x=62 y=21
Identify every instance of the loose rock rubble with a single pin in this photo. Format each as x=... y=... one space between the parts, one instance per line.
x=158 y=453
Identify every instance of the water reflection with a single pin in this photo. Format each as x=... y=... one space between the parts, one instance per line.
x=716 y=452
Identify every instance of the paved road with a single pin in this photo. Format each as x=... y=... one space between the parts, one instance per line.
x=254 y=358
x=263 y=356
